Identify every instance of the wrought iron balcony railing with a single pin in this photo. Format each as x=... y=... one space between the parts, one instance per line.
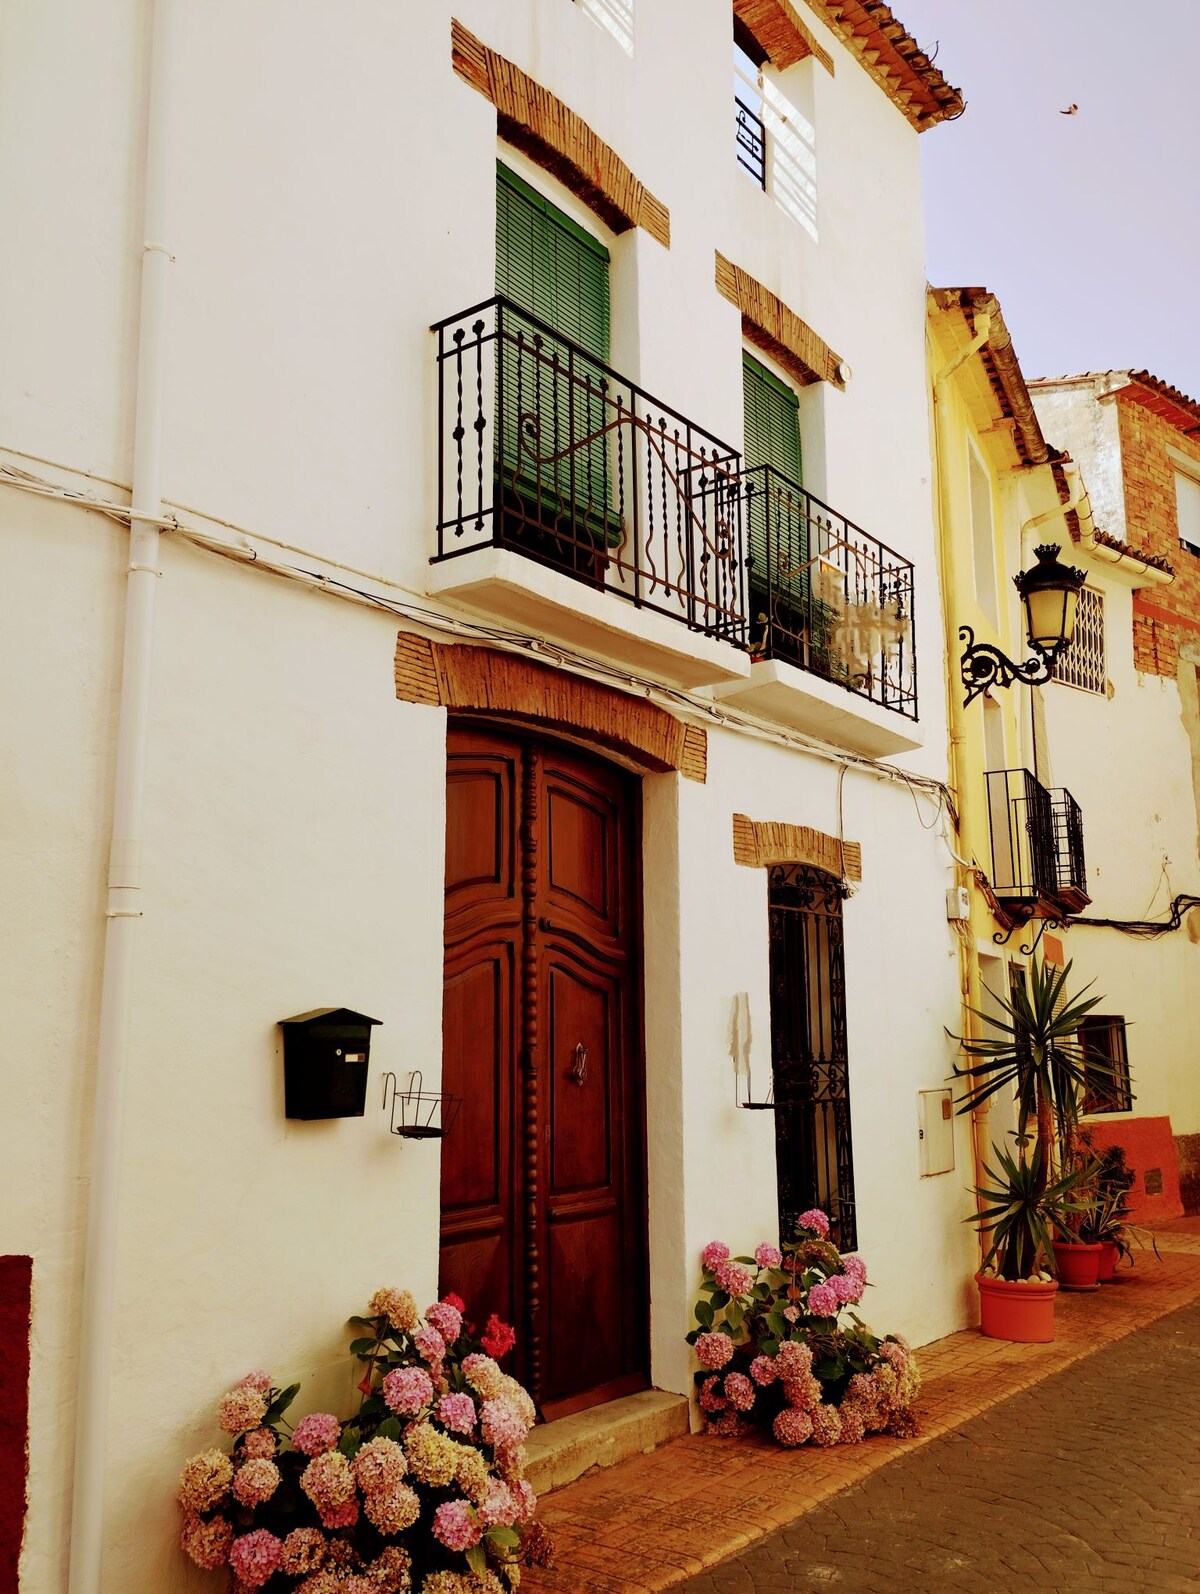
x=1037 y=844
x=1072 y=889
x=545 y=450
x=826 y=596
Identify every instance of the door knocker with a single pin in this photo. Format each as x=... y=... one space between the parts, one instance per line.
x=579 y=1066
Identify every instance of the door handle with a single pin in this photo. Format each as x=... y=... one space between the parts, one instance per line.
x=579 y=1066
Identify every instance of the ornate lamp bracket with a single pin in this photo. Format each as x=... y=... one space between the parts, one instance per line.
x=982 y=666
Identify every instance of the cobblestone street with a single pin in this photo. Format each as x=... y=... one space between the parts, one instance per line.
x=1087 y=1481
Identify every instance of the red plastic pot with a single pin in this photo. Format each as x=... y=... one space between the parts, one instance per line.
x=1078 y=1264
x=1020 y=1312
x=1109 y=1256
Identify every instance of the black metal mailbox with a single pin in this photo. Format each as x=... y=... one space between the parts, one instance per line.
x=325 y=1058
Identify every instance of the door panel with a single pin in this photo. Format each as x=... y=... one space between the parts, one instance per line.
x=543 y=1181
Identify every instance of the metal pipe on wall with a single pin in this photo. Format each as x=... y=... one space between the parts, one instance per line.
x=124 y=903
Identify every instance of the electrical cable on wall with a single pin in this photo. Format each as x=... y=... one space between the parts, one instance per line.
x=1148 y=929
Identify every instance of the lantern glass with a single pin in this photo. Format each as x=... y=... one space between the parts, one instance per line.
x=1050 y=616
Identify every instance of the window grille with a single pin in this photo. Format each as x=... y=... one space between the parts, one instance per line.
x=1082 y=663
x=1103 y=1041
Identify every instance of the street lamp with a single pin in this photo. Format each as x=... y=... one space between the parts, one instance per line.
x=1050 y=596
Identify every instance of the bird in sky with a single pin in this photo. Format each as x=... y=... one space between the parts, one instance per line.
x=1071 y=110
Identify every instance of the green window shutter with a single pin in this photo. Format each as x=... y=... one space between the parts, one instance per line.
x=554 y=270
x=773 y=438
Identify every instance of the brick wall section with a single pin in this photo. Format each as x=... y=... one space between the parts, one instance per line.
x=1163 y=617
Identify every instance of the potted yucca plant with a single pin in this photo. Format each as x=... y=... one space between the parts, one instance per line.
x=1036 y=1198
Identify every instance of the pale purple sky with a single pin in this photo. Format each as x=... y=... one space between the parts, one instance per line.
x=1086 y=227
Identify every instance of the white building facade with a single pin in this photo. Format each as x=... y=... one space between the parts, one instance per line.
x=567 y=696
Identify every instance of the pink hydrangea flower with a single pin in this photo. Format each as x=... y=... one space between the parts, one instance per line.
x=259 y=1380
x=499 y=1507
x=456 y=1525
x=855 y=1266
x=304 y=1550
x=734 y=1277
x=739 y=1391
x=339 y=1516
x=847 y=1289
x=763 y=1370
x=380 y=1464
x=768 y=1255
x=456 y=1412
x=205 y=1480
x=792 y=1427
x=826 y=1425
x=793 y=1359
x=815 y=1220
x=255 y=1556
x=408 y=1390
x=446 y=1319
x=714 y=1350
x=256 y=1482
x=803 y=1393
x=526 y=1499
x=823 y=1301
x=240 y=1409
x=792 y=1313
x=319 y=1432
x=259 y=1444
x=431 y=1347
x=206 y=1543
x=394 y=1509
x=328 y=1481
x=711 y=1398
x=501 y=1423
x=713 y=1253
x=854 y=1423
x=728 y=1425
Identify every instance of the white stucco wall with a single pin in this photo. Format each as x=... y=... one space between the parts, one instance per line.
x=332 y=194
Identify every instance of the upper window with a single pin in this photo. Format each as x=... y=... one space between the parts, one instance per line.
x=1187 y=505
x=1107 y=1087
x=750 y=131
x=615 y=17
x=1082 y=663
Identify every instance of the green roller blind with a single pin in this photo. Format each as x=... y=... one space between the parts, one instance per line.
x=553 y=269
x=550 y=266
x=773 y=438
x=772 y=420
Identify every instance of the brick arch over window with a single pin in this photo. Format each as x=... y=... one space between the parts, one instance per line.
x=483 y=681
x=759 y=843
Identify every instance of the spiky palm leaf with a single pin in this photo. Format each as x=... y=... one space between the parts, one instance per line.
x=1034 y=1051
x=1020 y=1212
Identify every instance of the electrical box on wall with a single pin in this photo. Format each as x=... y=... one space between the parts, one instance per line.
x=325 y=1058
x=935 y=1127
x=958 y=903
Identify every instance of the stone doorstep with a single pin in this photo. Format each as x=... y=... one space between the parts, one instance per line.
x=559 y=1452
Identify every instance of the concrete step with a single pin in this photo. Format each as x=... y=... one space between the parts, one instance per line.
x=559 y=1452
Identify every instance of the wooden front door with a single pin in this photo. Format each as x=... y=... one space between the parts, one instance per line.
x=543 y=1174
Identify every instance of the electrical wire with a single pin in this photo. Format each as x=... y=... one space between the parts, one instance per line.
x=411 y=608
x=1147 y=929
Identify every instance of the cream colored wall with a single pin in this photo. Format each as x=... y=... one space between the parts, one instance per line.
x=332 y=194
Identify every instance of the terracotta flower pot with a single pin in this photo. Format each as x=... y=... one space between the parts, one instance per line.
x=1078 y=1264
x=1020 y=1312
x=1109 y=1256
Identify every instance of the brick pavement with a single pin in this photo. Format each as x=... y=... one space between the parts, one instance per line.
x=658 y=1520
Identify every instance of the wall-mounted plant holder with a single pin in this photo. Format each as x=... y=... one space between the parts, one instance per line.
x=417 y=1113
x=743 y=1090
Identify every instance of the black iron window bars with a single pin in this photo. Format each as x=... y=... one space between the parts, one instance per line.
x=750 y=134
x=1037 y=843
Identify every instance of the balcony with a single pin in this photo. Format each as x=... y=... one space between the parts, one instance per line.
x=1038 y=868
x=831 y=621
x=563 y=485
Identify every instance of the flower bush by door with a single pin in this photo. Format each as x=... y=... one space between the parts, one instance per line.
x=421 y=1490
x=780 y=1349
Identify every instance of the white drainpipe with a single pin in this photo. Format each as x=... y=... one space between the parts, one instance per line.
x=124 y=871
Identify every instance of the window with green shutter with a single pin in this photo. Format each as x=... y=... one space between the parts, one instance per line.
x=551 y=268
x=776 y=527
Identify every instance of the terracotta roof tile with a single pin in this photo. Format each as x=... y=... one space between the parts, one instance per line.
x=884 y=46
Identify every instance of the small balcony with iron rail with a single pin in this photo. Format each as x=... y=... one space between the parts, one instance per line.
x=575 y=504
x=1038 y=869
x=831 y=621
